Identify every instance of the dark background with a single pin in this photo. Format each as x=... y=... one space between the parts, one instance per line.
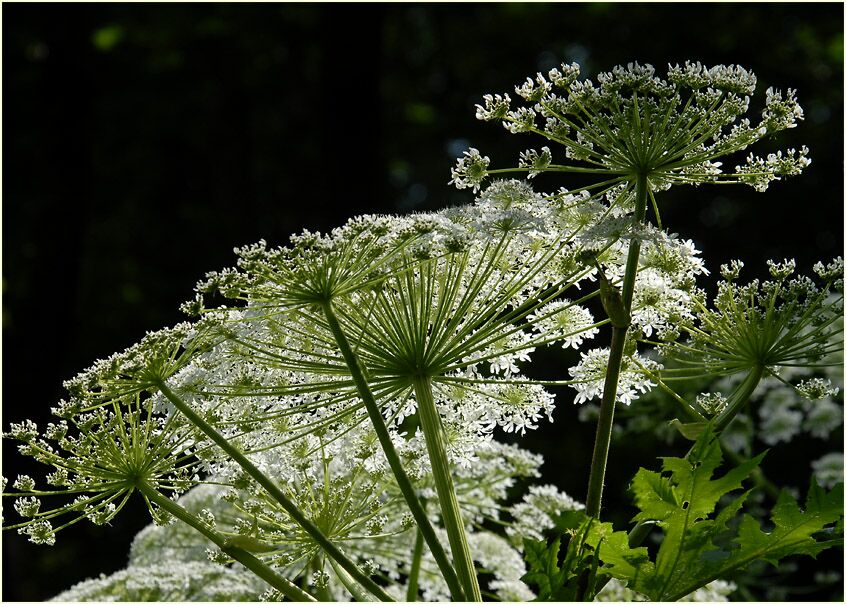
x=142 y=142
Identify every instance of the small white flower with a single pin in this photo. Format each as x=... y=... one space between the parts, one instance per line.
x=470 y=170
x=535 y=161
x=564 y=321
x=496 y=107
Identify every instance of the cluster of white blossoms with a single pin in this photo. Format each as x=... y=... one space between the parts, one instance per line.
x=589 y=376
x=108 y=436
x=475 y=291
x=465 y=296
x=633 y=122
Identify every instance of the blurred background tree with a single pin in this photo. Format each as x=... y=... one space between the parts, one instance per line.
x=143 y=142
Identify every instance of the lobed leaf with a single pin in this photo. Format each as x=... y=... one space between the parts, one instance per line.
x=683 y=503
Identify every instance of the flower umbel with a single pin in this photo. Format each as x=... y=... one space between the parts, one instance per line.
x=98 y=456
x=771 y=324
x=632 y=122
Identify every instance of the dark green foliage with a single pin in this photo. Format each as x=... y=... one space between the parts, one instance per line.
x=700 y=543
x=576 y=576
x=683 y=500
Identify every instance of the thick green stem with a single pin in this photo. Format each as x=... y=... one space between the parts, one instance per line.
x=433 y=431
x=739 y=398
x=275 y=492
x=414 y=573
x=407 y=489
x=641 y=190
x=605 y=424
x=258 y=567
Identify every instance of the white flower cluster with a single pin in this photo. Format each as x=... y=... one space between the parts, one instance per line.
x=783 y=323
x=537 y=511
x=828 y=469
x=633 y=122
x=589 y=376
x=664 y=292
x=470 y=170
x=784 y=413
x=759 y=172
x=173 y=581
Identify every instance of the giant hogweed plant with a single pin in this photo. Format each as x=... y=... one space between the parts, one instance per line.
x=325 y=429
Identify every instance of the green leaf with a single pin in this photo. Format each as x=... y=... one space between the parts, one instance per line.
x=691 y=431
x=575 y=578
x=542 y=560
x=683 y=500
x=794 y=529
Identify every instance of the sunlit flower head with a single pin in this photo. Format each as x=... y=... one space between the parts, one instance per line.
x=631 y=123
x=782 y=323
x=98 y=456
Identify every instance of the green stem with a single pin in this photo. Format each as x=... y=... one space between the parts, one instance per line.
x=358 y=594
x=275 y=492
x=604 y=426
x=433 y=431
x=737 y=401
x=404 y=483
x=641 y=190
x=258 y=567
x=414 y=573
x=739 y=397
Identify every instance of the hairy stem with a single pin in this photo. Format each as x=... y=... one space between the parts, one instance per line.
x=433 y=431
x=408 y=491
x=604 y=426
x=275 y=492
x=258 y=567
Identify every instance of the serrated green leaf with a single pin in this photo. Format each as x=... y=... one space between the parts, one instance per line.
x=793 y=529
x=575 y=577
x=542 y=561
x=684 y=505
x=655 y=493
